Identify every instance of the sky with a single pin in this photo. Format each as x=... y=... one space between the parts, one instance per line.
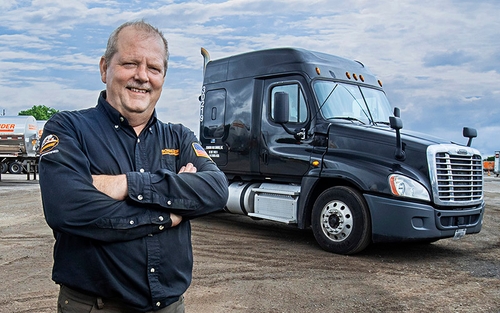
x=439 y=61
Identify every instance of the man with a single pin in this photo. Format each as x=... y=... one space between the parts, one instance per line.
x=119 y=188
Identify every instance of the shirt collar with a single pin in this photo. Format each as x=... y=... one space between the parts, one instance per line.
x=115 y=116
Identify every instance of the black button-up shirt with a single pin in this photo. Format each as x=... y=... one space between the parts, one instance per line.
x=125 y=250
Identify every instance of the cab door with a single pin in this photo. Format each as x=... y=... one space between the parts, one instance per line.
x=283 y=155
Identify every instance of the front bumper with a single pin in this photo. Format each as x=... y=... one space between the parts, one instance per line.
x=396 y=220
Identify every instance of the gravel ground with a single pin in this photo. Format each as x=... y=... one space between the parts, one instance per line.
x=242 y=265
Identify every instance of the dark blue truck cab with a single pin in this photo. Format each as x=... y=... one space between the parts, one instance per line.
x=310 y=139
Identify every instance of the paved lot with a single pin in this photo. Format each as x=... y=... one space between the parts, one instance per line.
x=243 y=265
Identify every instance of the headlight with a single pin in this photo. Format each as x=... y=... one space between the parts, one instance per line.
x=403 y=186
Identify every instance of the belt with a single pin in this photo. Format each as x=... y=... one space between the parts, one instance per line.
x=100 y=303
x=67 y=293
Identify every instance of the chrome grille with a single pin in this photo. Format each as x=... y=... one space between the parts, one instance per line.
x=457 y=175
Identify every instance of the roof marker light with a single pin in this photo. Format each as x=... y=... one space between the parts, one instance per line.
x=318 y=71
x=348 y=75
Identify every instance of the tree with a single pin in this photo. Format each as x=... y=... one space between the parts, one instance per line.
x=40 y=112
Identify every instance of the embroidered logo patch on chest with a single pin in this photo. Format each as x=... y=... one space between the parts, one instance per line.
x=174 y=152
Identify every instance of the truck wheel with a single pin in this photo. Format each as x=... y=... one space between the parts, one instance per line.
x=15 y=168
x=4 y=168
x=340 y=221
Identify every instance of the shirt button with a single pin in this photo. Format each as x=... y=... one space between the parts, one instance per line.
x=169 y=202
x=131 y=222
x=121 y=119
x=138 y=140
x=161 y=227
x=152 y=270
x=140 y=197
x=160 y=218
x=117 y=126
x=158 y=303
x=141 y=170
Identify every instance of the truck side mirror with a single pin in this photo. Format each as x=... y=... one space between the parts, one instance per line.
x=396 y=124
x=281 y=106
x=397 y=112
x=469 y=133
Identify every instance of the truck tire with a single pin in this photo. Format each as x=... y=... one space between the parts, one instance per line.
x=341 y=221
x=15 y=168
x=4 y=167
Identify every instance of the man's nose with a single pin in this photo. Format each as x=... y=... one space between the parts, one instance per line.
x=141 y=73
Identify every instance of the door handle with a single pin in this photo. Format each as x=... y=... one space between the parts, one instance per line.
x=265 y=157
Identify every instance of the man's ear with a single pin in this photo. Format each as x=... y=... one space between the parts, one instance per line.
x=103 y=66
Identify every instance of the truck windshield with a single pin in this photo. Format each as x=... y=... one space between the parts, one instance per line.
x=352 y=102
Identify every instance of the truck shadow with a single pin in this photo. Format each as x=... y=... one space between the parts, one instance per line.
x=272 y=240
x=243 y=226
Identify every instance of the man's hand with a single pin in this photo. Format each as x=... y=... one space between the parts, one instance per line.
x=176 y=219
x=115 y=186
x=188 y=168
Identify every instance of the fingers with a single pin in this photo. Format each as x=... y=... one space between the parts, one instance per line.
x=188 y=168
x=176 y=219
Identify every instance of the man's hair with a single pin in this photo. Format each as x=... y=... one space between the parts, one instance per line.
x=147 y=28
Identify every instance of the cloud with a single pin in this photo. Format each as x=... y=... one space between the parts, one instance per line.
x=453 y=58
x=24 y=42
x=53 y=94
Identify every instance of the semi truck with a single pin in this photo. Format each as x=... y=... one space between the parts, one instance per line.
x=310 y=139
x=19 y=136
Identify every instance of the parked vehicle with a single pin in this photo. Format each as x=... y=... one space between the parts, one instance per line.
x=18 y=143
x=488 y=166
x=310 y=139
x=496 y=167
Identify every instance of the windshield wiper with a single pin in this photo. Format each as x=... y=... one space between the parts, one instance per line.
x=381 y=122
x=352 y=119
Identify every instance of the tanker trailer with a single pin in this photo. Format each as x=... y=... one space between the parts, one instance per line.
x=18 y=143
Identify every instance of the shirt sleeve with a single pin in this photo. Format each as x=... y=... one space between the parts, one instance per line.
x=73 y=205
x=187 y=194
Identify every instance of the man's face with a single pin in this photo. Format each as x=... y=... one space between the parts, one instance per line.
x=135 y=74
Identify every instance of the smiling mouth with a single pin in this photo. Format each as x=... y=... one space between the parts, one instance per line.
x=137 y=90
